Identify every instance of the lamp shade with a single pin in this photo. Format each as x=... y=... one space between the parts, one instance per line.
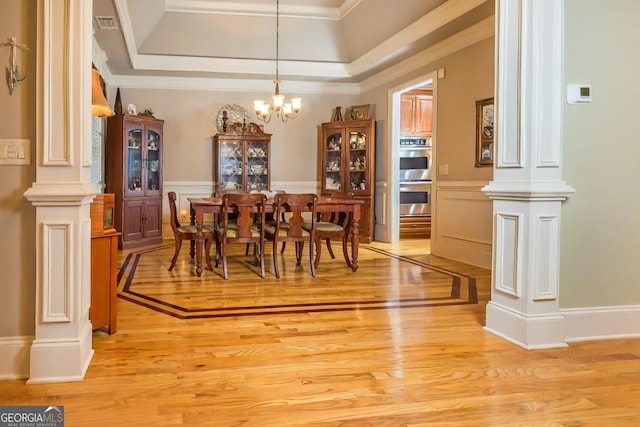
x=99 y=105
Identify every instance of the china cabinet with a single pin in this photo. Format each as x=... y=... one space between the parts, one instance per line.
x=134 y=175
x=416 y=109
x=242 y=158
x=347 y=163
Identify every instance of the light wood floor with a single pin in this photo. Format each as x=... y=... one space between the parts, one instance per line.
x=398 y=343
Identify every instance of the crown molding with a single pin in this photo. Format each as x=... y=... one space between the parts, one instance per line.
x=231 y=85
x=258 y=9
x=239 y=66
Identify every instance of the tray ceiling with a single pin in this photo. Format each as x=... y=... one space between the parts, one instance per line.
x=319 y=40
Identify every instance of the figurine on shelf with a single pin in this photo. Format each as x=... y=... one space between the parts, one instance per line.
x=337 y=115
x=146 y=113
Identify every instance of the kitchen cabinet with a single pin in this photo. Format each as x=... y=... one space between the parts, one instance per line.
x=412 y=227
x=241 y=158
x=134 y=176
x=416 y=109
x=347 y=156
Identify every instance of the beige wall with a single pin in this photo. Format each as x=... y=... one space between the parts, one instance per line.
x=17 y=216
x=600 y=240
x=190 y=122
x=468 y=77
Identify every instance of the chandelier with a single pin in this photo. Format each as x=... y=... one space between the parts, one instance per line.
x=284 y=110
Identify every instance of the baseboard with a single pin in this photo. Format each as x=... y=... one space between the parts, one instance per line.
x=567 y=326
x=601 y=323
x=15 y=357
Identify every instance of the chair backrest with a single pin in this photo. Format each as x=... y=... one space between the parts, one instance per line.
x=295 y=205
x=245 y=209
x=341 y=218
x=173 y=212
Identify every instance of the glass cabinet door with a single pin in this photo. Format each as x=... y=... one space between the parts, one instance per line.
x=231 y=171
x=257 y=165
x=333 y=162
x=134 y=162
x=153 y=161
x=357 y=161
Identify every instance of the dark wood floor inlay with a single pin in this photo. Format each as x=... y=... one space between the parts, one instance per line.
x=396 y=282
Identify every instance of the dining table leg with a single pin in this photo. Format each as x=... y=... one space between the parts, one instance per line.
x=199 y=241
x=355 y=231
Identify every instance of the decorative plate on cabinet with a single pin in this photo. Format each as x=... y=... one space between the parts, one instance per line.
x=235 y=113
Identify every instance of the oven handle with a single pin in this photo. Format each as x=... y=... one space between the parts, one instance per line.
x=415 y=186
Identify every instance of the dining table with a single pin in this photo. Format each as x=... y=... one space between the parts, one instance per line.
x=202 y=205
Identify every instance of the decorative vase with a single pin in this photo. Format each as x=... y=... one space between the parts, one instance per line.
x=117 y=108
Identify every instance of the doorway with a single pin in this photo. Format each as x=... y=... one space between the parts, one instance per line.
x=393 y=209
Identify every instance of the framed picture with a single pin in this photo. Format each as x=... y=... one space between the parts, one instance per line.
x=358 y=112
x=484 y=132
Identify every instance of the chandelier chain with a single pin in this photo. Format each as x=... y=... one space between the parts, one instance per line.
x=277 y=39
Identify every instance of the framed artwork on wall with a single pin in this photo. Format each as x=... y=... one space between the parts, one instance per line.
x=484 y=132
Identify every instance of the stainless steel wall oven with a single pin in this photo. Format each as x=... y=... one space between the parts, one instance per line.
x=415 y=176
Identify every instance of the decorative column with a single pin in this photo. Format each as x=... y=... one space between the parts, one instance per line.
x=61 y=350
x=527 y=190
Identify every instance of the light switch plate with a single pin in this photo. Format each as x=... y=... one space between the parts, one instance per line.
x=15 y=151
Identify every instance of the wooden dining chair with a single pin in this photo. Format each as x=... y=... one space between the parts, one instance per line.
x=186 y=232
x=295 y=205
x=333 y=225
x=248 y=211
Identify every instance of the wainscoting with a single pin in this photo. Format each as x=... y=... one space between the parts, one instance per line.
x=462 y=226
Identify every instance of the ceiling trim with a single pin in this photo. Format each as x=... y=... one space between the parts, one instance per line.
x=474 y=34
x=240 y=66
x=394 y=45
x=253 y=9
x=231 y=85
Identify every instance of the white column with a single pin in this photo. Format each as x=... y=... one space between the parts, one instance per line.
x=61 y=350
x=527 y=190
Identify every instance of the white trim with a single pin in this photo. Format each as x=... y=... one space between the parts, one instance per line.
x=61 y=359
x=14 y=357
x=322 y=70
x=255 y=9
x=532 y=332
x=600 y=323
x=231 y=85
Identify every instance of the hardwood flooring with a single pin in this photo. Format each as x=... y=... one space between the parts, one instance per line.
x=398 y=343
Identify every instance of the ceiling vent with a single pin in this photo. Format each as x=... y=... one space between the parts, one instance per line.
x=106 y=23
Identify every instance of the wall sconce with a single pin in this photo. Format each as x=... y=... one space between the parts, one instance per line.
x=99 y=105
x=13 y=75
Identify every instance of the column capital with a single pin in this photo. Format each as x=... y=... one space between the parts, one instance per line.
x=528 y=190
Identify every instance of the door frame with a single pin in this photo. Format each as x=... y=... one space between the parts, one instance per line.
x=391 y=233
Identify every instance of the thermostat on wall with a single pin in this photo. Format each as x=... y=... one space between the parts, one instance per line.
x=578 y=93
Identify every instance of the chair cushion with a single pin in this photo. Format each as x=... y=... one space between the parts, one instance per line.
x=323 y=226
x=233 y=232
x=192 y=228
x=271 y=229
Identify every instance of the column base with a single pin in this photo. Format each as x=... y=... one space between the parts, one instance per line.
x=529 y=332
x=63 y=360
